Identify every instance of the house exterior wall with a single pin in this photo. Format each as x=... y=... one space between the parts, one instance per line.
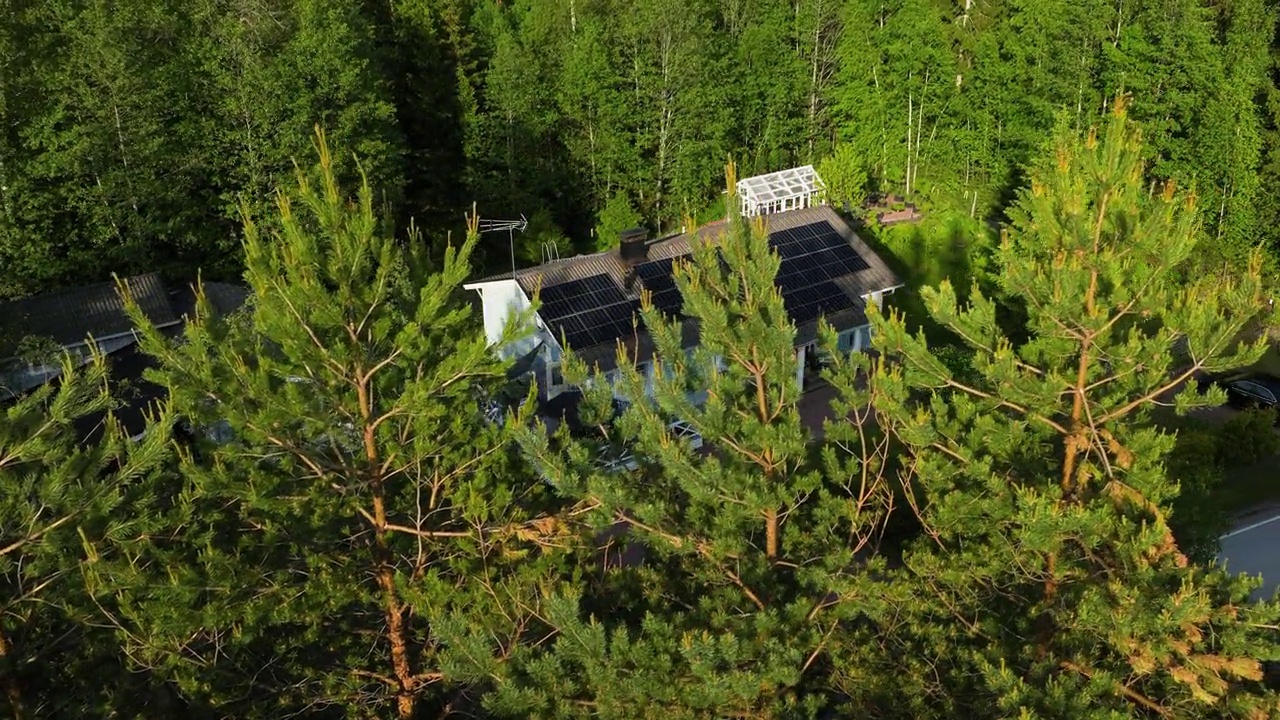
x=500 y=300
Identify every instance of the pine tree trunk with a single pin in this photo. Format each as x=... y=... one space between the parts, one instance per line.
x=1076 y=442
x=12 y=692
x=394 y=612
x=771 y=534
x=392 y=608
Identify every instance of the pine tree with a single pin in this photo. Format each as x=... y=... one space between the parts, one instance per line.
x=753 y=551
x=60 y=513
x=845 y=176
x=102 y=182
x=1048 y=583
x=345 y=509
x=771 y=98
x=595 y=105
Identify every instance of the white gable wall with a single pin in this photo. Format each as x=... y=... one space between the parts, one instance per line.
x=500 y=300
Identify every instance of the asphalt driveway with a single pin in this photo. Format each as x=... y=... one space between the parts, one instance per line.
x=1253 y=547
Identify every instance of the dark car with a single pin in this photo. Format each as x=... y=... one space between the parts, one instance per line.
x=1255 y=390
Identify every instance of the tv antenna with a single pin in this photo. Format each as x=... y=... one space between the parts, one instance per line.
x=511 y=226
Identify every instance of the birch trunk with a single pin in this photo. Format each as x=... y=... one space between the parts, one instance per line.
x=906 y=191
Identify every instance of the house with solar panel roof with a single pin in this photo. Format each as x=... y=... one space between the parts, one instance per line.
x=591 y=303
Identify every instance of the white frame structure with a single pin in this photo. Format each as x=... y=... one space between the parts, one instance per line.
x=780 y=191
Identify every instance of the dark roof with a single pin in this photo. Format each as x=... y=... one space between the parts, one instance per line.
x=70 y=316
x=225 y=298
x=137 y=396
x=874 y=277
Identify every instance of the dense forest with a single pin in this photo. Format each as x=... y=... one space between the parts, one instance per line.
x=131 y=130
x=1008 y=514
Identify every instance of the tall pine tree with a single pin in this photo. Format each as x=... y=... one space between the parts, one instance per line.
x=755 y=550
x=344 y=503
x=63 y=510
x=1048 y=583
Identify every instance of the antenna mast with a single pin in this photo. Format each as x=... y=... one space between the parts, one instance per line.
x=511 y=226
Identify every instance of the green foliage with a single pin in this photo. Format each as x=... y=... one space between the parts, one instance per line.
x=357 y=510
x=617 y=215
x=944 y=246
x=845 y=174
x=753 y=551
x=259 y=577
x=541 y=232
x=132 y=130
x=1197 y=515
x=1046 y=495
x=62 y=511
x=1248 y=438
x=36 y=350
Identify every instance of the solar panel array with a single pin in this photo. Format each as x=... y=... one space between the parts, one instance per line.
x=812 y=256
x=807 y=303
x=594 y=310
x=589 y=311
x=656 y=277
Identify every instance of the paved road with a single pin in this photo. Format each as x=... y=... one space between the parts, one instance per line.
x=1253 y=547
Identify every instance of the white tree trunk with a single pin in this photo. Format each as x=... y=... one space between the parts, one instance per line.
x=906 y=191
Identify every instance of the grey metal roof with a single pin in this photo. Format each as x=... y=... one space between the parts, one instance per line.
x=225 y=298
x=70 y=316
x=877 y=277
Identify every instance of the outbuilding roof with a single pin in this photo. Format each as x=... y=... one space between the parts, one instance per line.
x=69 y=317
x=780 y=186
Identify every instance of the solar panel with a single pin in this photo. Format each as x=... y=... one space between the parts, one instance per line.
x=657 y=278
x=807 y=303
x=588 y=311
x=816 y=250
x=812 y=256
x=602 y=325
x=582 y=294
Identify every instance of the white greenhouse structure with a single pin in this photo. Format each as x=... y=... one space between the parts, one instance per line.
x=781 y=191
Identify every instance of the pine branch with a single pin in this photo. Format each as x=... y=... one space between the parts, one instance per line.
x=367 y=376
x=390 y=682
x=1005 y=403
x=416 y=532
x=37 y=535
x=1151 y=396
x=1142 y=700
x=701 y=548
x=821 y=644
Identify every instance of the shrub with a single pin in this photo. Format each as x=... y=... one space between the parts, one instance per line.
x=1248 y=438
x=1197 y=516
